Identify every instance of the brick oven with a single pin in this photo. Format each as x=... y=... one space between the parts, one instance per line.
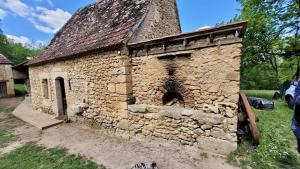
x=186 y=88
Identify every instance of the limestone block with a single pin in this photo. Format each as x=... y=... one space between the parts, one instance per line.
x=210 y=109
x=205 y=118
x=152 y=116
x=216 y=145
x=123 y=124
x=187 y=112
x=121 y=88
x=137 y=108
x=111 y=87
x=207 y=133
x=171 y=112
x=206 y=127
x=153 y=109
x=229 y=112
x=233 y=76
x=122 y=105
x=123 y=79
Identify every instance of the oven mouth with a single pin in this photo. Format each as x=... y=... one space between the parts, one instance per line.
x=173 y=98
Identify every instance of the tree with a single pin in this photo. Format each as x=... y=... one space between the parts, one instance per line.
x=17 y=53
x=272 y=34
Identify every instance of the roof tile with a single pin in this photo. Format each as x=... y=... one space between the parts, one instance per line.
x=100 y=25
x=4 y=60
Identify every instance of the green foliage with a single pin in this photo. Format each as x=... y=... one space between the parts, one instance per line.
x=276 y=142
x=20 y=90
x=260 y=77
x=288 y=68
x=15 y=52
x=271 y=38
x=34 y=156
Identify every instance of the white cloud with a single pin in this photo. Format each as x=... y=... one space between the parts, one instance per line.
x=50 y=2
x=26 y=42
x=50 y=20
x=43 y=19
x=204 y=27
x=19 y=39
x=16 y=6
x=2 y=13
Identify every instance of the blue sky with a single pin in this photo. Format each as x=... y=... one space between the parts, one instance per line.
x=36 y=21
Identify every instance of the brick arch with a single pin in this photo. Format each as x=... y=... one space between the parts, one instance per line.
x=174 y=85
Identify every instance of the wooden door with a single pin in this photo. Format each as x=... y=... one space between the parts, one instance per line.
x=3 y=89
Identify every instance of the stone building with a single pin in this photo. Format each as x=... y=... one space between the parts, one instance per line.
x=125 y=66
x=7 y=87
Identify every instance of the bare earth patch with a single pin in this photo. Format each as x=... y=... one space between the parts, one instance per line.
x=119 y=153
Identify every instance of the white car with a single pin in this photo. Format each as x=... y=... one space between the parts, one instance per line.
x=289 y=94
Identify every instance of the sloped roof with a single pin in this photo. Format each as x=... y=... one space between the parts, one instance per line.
x=100 y=25
x=4 y=60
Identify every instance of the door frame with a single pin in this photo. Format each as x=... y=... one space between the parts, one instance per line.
x=61 y=96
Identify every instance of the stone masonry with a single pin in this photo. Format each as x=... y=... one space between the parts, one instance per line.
x=178 y=87
x=6 y=75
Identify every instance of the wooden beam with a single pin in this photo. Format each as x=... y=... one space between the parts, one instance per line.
x=251 y=118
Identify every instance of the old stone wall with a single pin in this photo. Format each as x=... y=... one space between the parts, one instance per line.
x=213 y=132
x=161 y=11
x=95 y=85
x=99 y=88
x=208 y=80
x=206 y=77
x=7 y=76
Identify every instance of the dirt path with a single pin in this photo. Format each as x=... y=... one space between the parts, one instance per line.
x=11 y=103
x=121 y=153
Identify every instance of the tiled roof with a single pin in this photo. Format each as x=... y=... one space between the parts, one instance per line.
x=100 y=25
x=4 y=60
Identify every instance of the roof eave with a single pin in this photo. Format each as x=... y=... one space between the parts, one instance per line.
x=241 y=26
x=78 y=55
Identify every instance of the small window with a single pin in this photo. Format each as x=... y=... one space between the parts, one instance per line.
x=45 y=88
x=70 y=87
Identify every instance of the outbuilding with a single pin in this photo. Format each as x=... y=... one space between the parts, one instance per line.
x=125 y=66
x=6 y=77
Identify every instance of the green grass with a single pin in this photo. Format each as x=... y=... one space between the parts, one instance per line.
x=276 y=142
x=268 y=94
x=33 y=156
x=4 y=110
x=5 y=136
x=20 y=90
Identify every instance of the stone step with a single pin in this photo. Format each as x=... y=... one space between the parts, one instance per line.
x=38 y=119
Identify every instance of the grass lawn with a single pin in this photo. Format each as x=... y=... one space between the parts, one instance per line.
x=33 y=156
x=276 y=140
x=268 y=94
x=5 y=135
x=4 y=110
x=20 y=90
